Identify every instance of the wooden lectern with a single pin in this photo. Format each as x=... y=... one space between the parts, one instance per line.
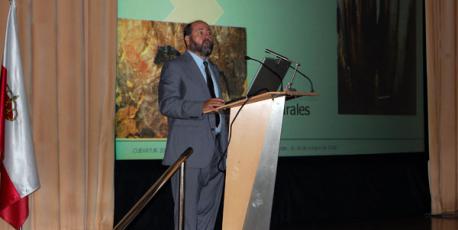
x=252 y=159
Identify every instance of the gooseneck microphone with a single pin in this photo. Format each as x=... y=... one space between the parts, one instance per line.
x=312 y=90
x=269 y=51
x=249 y=58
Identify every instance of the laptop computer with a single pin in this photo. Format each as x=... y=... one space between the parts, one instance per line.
x=269 y=76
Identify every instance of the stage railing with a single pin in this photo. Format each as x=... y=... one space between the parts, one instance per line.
x=146 y=198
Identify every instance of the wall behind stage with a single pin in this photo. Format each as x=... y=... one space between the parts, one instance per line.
x=304 y=31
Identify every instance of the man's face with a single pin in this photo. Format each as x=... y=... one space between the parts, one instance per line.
x=201 y=40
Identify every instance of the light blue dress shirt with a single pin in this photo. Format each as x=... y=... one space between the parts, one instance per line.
x=200 y=63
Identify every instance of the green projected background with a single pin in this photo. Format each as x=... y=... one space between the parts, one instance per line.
x=304 y=31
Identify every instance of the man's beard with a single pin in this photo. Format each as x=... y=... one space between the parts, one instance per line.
x=205 y=49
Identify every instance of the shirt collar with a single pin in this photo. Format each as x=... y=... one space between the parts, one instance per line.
x=199 y=61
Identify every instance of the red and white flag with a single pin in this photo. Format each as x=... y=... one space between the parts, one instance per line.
x=19 y=177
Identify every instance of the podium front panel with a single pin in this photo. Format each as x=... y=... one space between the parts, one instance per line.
x=252 y=164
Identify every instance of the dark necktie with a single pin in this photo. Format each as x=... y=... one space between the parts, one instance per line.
x=211 y=88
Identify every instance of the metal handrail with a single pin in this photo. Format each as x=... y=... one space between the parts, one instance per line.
x=151 y=192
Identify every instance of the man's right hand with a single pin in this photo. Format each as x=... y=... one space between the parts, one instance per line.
x=212 y=104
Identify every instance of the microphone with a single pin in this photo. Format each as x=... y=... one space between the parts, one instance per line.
x=305 y=76
x=249 y=58
x=269 y=51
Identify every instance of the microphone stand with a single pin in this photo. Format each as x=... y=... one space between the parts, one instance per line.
x=289 y=86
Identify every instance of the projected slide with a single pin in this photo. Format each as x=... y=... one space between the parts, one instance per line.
x=365 y=61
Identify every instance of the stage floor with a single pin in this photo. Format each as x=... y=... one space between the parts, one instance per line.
x=425 y=223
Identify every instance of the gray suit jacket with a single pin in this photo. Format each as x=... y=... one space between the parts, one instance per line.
x=182 y=92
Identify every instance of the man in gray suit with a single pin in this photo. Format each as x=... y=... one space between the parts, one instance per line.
x=189 y=86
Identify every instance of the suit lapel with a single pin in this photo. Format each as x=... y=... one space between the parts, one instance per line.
x=194 y=71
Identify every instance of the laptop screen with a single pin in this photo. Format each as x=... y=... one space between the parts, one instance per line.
x=269 y=76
